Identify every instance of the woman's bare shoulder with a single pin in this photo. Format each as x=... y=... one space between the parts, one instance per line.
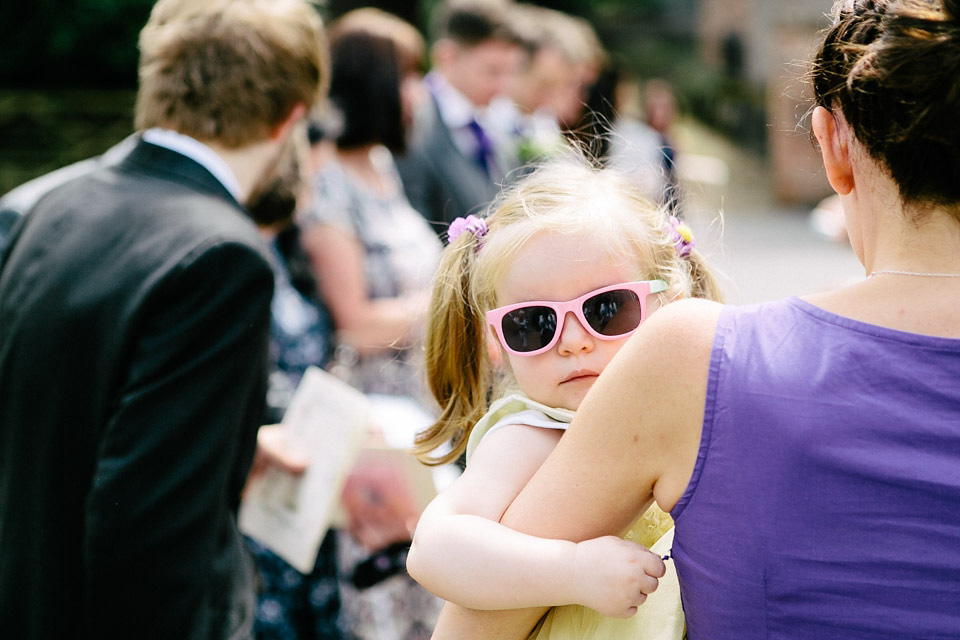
x=682 y=330
x=689 y=313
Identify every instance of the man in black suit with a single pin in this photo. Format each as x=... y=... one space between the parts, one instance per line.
x=134 y=308
x=15 y=203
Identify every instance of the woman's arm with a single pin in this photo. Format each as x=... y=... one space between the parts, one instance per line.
x=461 y=553
x=635 y=437
x=368 y=324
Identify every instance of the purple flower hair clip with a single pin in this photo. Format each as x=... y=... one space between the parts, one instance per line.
x=473 y=224
x=681 y=235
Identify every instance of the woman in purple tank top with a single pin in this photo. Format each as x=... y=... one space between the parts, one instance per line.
x=808 y=449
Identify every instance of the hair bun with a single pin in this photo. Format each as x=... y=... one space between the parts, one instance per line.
x=951 y=9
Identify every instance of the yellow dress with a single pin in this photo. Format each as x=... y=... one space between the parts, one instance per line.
x=660 y=617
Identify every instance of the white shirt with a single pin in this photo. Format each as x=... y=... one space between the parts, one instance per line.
x=516 y=408
x=457 y=112
x=517 y=133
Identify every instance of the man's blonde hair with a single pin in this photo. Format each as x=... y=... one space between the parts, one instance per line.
x=229 y=71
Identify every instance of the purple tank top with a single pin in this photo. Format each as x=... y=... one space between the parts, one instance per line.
x=825 y=500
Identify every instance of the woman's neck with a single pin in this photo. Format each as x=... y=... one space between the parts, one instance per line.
x=359 y=163
x=888 y=234
x=913 y=254
x=356 y=156
x=926 y=241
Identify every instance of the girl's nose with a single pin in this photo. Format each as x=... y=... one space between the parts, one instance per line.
x=573 y=337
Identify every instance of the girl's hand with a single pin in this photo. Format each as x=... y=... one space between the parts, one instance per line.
x=614 y=576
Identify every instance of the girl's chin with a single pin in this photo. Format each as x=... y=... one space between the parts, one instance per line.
x=572 y=397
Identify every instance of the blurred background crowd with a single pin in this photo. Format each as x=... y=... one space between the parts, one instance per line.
x=68 y=73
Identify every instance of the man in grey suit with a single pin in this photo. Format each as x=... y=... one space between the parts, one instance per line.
x=453 y=166
x=134 y=309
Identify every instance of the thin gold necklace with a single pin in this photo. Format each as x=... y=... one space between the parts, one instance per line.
x=914 y=273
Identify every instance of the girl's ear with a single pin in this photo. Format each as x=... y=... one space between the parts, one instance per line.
x=492 y=344
x=834 y=148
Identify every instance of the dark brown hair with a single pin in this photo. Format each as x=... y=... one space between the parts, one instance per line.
x=365 y=88
x=274 y=197
x=472 y=22
x=892 y=68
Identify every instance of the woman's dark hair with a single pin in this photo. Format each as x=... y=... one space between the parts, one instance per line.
x=593 y=128
x=273 y=200
x=365 y=89
x=892 y=68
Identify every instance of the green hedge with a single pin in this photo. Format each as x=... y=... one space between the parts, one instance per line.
x=71 y=43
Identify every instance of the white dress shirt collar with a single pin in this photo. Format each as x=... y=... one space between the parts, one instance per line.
x=456 y=110
x=197 y=151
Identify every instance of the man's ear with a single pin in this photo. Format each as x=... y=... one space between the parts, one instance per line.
x=282 y=129
x=834 y=148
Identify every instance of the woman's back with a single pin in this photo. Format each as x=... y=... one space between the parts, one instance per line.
x=851 y=431
x=398 y=255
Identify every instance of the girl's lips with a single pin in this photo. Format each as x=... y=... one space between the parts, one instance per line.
x=578 y=375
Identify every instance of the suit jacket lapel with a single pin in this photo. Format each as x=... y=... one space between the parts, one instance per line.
x=162 y=161
x=464 y=178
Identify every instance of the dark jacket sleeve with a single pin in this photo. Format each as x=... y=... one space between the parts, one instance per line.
x=172 y=459
x=421 y=188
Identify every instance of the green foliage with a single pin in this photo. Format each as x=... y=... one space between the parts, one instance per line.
x=602 y=9
x=68 y=47
x=44 y=130
x=593 y=10
x=71 y=43
x=93 y=43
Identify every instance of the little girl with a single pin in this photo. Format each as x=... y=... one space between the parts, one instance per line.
x=532 y=304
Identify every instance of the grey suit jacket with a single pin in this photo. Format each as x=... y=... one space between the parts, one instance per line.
x=440 y=181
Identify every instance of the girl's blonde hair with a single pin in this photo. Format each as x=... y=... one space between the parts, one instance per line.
x=567 y=196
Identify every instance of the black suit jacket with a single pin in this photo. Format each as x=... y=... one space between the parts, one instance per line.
x=134 y=314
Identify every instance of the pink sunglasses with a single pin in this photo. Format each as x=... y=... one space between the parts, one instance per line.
x=529 y=328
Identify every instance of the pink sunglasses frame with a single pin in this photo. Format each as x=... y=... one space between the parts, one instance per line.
x=642 y=288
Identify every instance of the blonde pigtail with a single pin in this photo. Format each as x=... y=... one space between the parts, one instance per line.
x=703 y=284
x=458 y=373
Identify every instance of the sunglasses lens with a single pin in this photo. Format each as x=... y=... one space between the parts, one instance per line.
x=529 y=328
x=613 y=313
